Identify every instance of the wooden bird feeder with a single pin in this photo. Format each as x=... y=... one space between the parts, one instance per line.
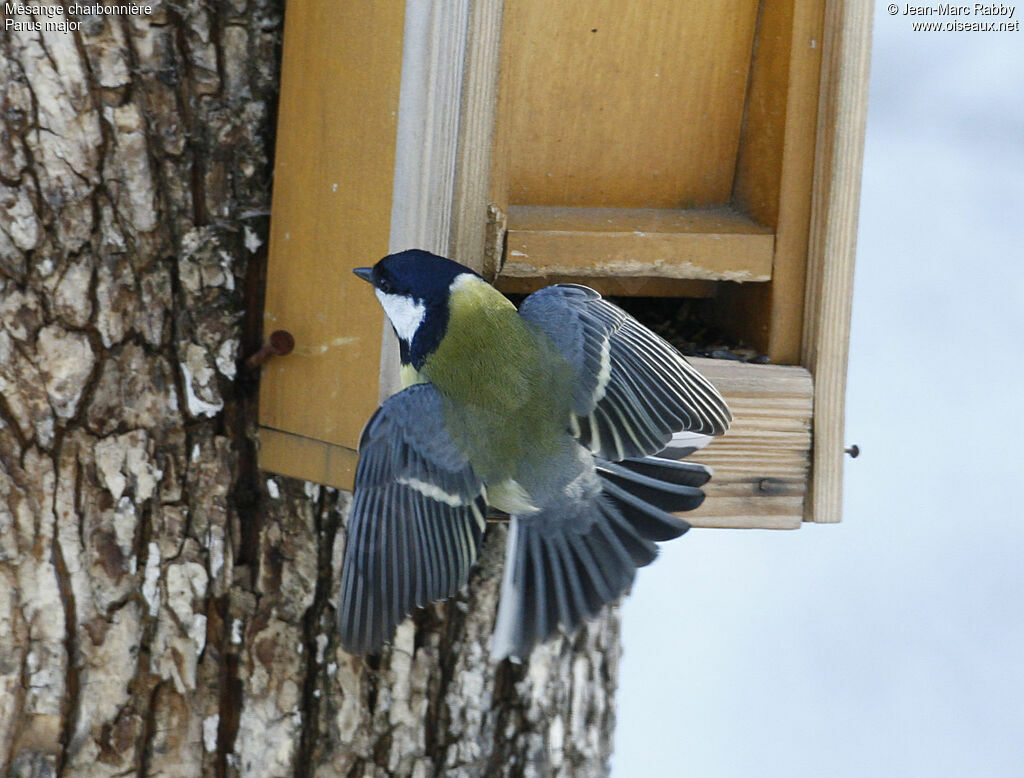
x=671 y=149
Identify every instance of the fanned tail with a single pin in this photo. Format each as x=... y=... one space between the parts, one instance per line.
x=564 y=563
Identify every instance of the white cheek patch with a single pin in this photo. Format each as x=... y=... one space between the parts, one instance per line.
x=406 y=314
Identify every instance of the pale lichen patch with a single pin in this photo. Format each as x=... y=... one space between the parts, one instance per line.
x=210 y=725
x=201 y=393
x=273 y=490
x=227 y=356
x=151 y=579
x=252 y=240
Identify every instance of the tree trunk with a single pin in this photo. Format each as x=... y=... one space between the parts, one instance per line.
x=165 y=608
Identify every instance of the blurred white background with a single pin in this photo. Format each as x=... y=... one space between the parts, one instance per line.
x=892 y=644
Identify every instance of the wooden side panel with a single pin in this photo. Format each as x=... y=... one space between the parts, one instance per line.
x=762 y=463
x=308 y=459
x=775 y=169
x=759 y=162
x=844 y=100
x=476 y=138
x=331 y=212
x=633 y=105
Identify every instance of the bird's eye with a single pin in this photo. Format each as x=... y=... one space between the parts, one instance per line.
x=384 y=286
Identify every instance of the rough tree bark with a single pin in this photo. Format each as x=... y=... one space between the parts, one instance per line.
x=165 y=608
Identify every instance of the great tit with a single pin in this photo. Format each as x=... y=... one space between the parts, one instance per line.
x=551 y=413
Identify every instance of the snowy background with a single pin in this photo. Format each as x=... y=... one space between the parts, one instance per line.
x=893 y=643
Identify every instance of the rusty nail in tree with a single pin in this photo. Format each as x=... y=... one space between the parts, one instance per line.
x=278 y=344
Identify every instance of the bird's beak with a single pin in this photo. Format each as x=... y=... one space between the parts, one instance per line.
x=365 y=273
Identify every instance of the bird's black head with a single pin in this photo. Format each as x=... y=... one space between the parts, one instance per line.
x=413 y=287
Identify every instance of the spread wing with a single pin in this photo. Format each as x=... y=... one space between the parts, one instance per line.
x=416 y=523
x=633 y=390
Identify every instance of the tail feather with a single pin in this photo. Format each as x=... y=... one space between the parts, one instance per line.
x=593 y=569
x=641 y=549
x=652 y=522
x=583 y=602
x=682 y=473
x=533 y=621
x=661 y=493
x=557 y=602
x=566 y=562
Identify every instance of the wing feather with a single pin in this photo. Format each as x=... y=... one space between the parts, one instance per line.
x=633 y=390
x=416 y=523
